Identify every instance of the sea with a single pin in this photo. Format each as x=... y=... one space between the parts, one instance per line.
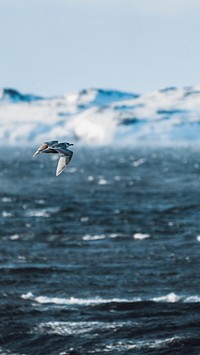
x=103 y=259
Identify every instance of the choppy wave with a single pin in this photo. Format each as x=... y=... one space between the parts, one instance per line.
x=169 y=298
x=8 y=352
x=74 y=300
x=41 y=212
x=80 y=328
x=93 y=237
x=114 y=267
x=139 y=345
x=66 y=328
x=95 y=327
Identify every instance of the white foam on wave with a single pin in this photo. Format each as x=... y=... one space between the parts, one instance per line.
x=74 y=300
x=27 y=296
x=114 y=235
x=138 y=162
x=139 y=345
x=173 y=298
x=68 y=328
x=6 y=199
x=94 y=237
x=192 y=299
x=72 y=170
x=37 y=213
x=9 y=352
x=169 y=298
x=77 y=301
x=141 y=236
x=40 y=201
x=14 y=236
x=84 y=219
x=90 y=178
x=102 y=181
x=41 y=212
x=6 y=214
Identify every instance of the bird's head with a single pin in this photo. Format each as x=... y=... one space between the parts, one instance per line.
x=68 y=144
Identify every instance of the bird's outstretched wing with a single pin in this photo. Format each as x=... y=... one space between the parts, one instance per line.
x=40 y=149
x=45 y=147
x=63 y=161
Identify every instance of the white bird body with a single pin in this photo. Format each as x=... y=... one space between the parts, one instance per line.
x=57 y=148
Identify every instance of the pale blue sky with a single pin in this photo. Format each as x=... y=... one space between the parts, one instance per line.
x=52 y=47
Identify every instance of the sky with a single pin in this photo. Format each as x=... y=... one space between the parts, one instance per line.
x=53 y=47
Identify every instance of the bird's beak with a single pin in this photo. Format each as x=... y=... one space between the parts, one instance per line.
x=71 y=144
x=40 y=149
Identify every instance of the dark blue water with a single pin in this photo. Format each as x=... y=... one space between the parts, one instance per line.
x=103 y=259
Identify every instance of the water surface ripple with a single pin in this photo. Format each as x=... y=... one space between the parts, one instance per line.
x=103 y=259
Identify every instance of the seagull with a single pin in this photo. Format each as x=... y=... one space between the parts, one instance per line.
x=57 y=148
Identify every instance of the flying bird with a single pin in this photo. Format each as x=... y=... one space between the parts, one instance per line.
x=57 y=148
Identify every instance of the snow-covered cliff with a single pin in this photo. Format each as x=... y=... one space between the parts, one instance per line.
x=97 y=116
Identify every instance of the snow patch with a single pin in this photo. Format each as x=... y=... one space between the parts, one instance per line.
x=102 y=117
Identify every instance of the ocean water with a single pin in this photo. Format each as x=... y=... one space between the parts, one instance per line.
x=105 y=258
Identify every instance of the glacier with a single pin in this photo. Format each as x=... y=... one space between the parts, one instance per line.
x=102 y=117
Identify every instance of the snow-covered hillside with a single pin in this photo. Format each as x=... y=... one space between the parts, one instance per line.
x=97 y=116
